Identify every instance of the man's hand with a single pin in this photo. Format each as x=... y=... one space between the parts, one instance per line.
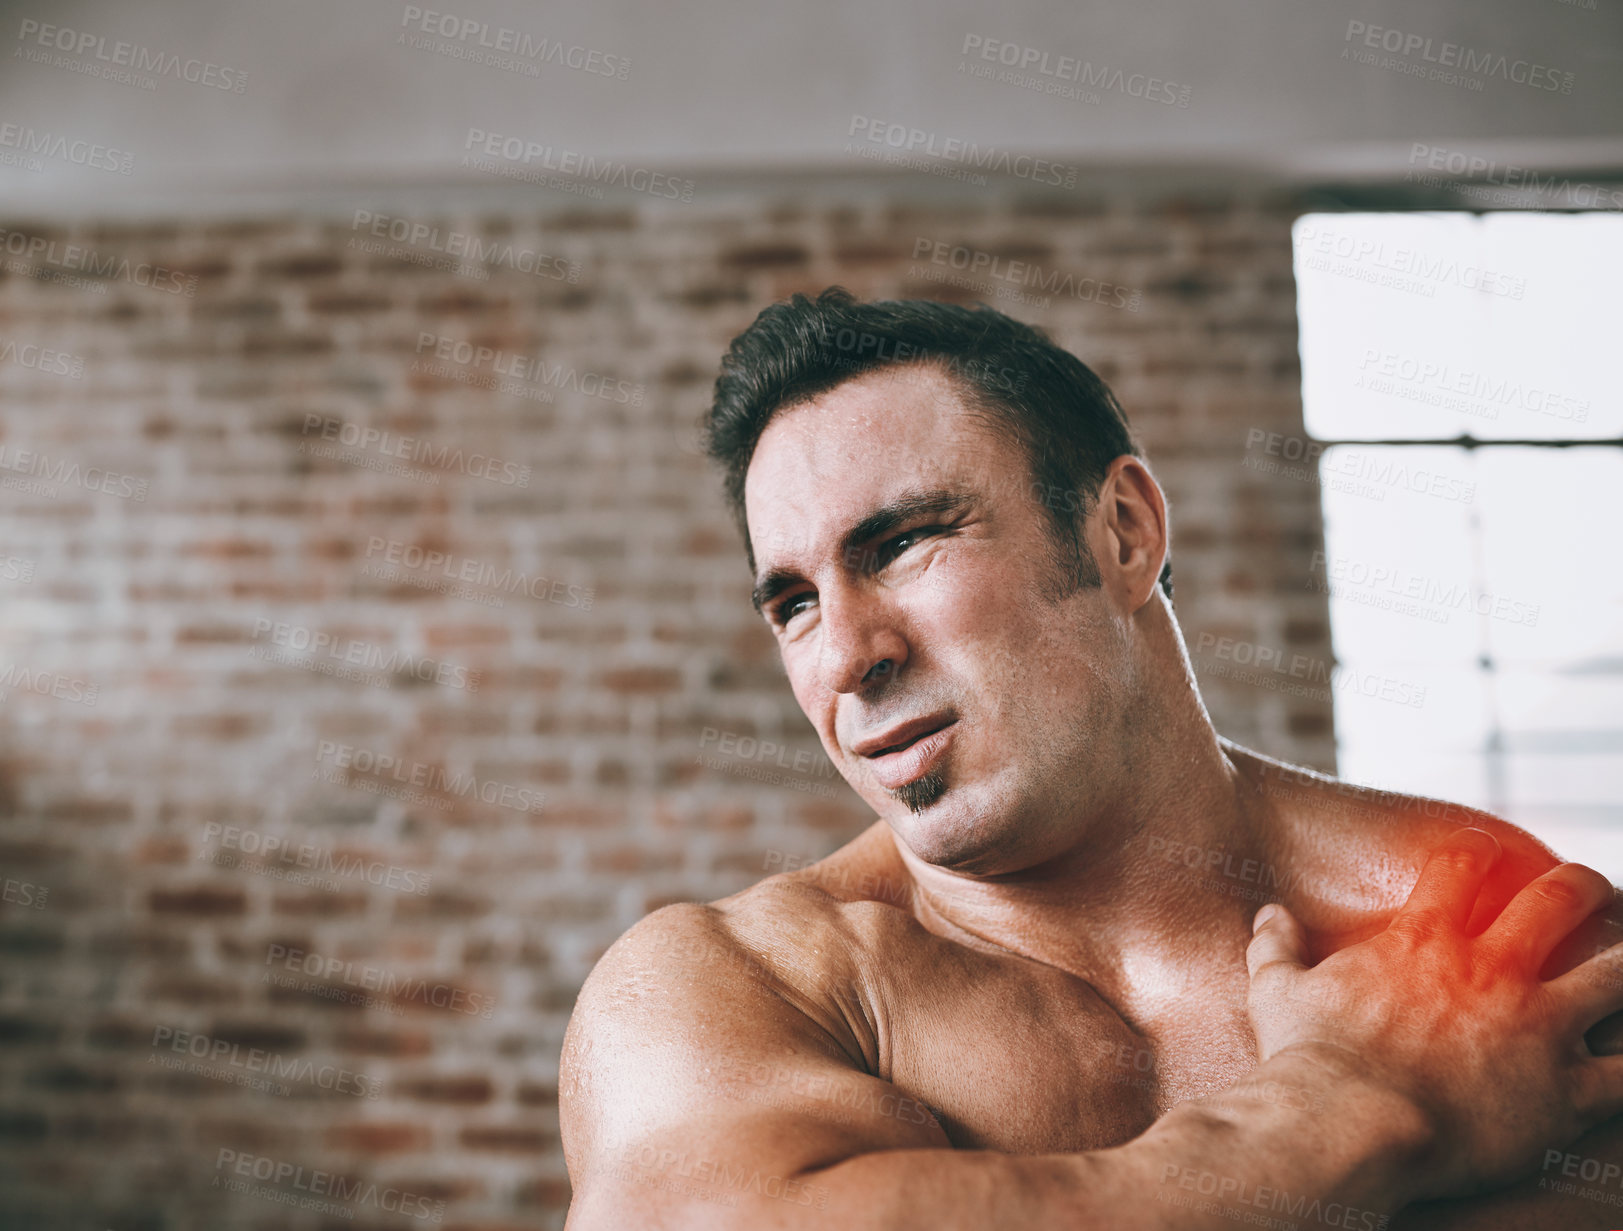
x=1490 y=1056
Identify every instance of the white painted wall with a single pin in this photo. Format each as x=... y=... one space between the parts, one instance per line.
x=333 y=97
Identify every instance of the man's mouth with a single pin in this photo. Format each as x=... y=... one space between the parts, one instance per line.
x=904 y=753
x=902 y=735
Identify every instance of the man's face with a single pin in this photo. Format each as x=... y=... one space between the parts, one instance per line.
x=911 y=578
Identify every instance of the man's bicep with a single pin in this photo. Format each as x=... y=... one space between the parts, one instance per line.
x=691 y=1084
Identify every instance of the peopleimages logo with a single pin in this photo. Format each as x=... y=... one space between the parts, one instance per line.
x=1607 y=1177
x=526 y=50
x=416 y=450
x=80 y=153
x=121 y=55
x=17 y=568
x=429 y=777
x=24 y=893
x=257 y=1067
x=478 y=573
x=531 y=369
x=1342 y=468
x=41 y=466
x=906 y=142
x=77 y=258
x=459 y=246
x=307 y=857
x=1021 y=60
x=1466 y=390
x=1269 y=667
x=1480 y=170
x=393 y=990
x=1408 y=268
x=586 y=169
x=46 y=684
x=1050 y=282
x=1446 y=57
x=42 y=358
x=1229 y=1195
x=862 y=349
x=1395 y=588
x=1194 y=858
x=310 y=1185
x=352 y=653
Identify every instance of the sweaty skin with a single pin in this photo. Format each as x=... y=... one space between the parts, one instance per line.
x=1040 y=947
x=1015 y=1056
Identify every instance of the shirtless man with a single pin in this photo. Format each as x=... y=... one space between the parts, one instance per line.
x=1015 y=1001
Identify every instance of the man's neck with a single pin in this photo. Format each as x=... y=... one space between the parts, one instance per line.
x=1147 y=876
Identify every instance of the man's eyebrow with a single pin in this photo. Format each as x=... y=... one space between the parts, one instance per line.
x=908 y=506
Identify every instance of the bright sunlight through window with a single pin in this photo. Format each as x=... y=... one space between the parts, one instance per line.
x=1462 y=372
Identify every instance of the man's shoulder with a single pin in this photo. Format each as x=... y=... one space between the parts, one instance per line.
x=1375 y=842
x=746 y=935
x=800 y=934
x=1359 y=849
x=866 y=871
x=1398 y=829
x=696 y=998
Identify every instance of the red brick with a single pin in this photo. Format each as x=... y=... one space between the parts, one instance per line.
x=384 y=1043
x=468 y=1091
x=511 y=1139
x=641 y=680
x=316 y=264
x=603 y=708
x=374 y=1137
x=764 y=256
x=202 y=901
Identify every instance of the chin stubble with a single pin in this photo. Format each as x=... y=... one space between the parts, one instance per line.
x=922 y=791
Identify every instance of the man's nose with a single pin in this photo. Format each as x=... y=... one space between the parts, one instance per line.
x=861 y=643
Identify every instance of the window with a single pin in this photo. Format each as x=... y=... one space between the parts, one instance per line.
x=1459 y=370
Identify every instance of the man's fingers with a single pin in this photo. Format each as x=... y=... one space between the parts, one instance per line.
x=1594 y=989
x=1544 y=913
x=1599 y=1091
x=1452 y=876
x=1276 y=937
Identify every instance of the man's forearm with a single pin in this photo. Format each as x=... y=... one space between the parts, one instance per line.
x=1347 y=1163
x=1578 y=1188
x=1350 y=1161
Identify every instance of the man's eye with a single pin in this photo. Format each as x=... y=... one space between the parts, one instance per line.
x=896 y=546
x=901 y=543
x=791 y=607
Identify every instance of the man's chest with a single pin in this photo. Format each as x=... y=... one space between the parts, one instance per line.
x=1016 y=1057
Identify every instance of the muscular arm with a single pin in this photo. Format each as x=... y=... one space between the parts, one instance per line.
x=706 y=1086
x=1576 y=1189
x=702 y=1091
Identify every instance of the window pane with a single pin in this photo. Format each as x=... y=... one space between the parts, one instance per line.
x=1438 y=324
x=1398 y=567
x=1426 y=709
x=1546 y=711
x=1551 y=520
x=1485 y=581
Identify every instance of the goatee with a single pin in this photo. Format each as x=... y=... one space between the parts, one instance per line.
x=922 y=791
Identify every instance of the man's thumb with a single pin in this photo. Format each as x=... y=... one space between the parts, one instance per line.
x=1276 y=937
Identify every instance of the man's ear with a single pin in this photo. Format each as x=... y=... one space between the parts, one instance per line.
x=1129 y=539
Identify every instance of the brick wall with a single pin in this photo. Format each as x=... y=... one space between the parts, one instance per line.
x=308 y=842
